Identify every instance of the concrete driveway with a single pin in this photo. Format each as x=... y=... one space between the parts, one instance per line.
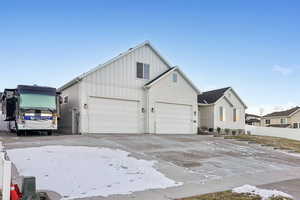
x=203 y=163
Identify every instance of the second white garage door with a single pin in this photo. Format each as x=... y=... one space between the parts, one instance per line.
x=173 y=119
x=113 y=116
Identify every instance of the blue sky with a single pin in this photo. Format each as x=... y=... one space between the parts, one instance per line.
x=253 y=46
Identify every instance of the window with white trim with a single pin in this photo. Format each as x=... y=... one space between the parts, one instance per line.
x=268 y=121
x=235 y=115
x=295 y=125
x=222 y=113
x=142 y=70
x=283 y=120
x=174 y=77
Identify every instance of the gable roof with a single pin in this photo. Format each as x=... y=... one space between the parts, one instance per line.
x=252 y=115
x=146 y=43
x=159 y=76
x=284 y=113
x=166 y=73
x=213 y=96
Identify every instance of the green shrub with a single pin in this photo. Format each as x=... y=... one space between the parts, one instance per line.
x=227 y=131
x=233 y=132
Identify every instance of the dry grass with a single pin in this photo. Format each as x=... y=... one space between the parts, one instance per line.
x=228 y=195
x=276 y=142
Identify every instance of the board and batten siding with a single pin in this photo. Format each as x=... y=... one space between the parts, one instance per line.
x=118 y=80
x=66 y=121
x=167 y=91
x=206 y=116
x=229 y=122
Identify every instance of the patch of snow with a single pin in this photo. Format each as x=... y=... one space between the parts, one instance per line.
x=290 y=154
x=263 y=193
x=78 y=172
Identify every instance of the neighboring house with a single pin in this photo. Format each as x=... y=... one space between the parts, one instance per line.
x=253 y=120
x=221 y=108
x=285 y=119
x=136 y=92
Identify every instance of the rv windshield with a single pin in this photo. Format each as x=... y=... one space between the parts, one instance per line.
x=37 y=101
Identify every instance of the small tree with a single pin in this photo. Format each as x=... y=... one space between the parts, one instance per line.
x=219 y=130
x=233 y=132
x=241 y=131
x=227 y=130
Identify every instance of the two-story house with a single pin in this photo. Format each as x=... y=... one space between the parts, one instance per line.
x=285 y=119
x=136 y=92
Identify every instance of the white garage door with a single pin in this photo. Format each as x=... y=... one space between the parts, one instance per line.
x=173 y=119
x=113 y=116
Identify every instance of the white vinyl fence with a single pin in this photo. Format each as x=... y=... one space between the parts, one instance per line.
x=5 y=175
x=288 y=133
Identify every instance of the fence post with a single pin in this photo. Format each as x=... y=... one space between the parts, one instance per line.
x=6 y=180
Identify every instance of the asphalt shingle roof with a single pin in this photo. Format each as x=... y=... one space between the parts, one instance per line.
x=159 y=76
x=283 y=113
x=211 y=96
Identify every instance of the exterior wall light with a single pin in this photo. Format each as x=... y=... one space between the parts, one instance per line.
x=85 y=106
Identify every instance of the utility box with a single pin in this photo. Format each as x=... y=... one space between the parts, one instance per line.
x=29 y=189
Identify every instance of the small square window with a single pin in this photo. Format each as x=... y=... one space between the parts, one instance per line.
x=295 y=125
x=268 y=121
x=142 y=70
x=66 y=99
x=175 y=78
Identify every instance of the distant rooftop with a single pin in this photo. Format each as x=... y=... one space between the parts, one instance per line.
x=284 y=113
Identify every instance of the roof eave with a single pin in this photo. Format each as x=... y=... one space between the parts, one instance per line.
x=80 y=77
x=166 y=74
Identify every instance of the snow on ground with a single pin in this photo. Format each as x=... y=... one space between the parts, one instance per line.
x=265 y=194
x=77 y=171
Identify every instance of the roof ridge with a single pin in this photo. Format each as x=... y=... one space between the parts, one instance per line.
x=218 y=89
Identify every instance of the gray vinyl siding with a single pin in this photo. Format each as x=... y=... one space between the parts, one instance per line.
x=65 y=123
x=206 y=116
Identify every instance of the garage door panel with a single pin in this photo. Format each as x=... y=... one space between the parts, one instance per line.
x=173 y=118
x=113 y=116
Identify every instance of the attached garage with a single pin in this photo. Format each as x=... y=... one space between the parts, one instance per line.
x=173 y=119
x=134 y=93
x=113 y=115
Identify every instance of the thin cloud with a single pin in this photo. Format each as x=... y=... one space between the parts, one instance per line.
x=269 y=108
x=282 y=70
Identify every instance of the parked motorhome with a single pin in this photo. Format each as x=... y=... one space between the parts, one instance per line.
x=31 y=108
